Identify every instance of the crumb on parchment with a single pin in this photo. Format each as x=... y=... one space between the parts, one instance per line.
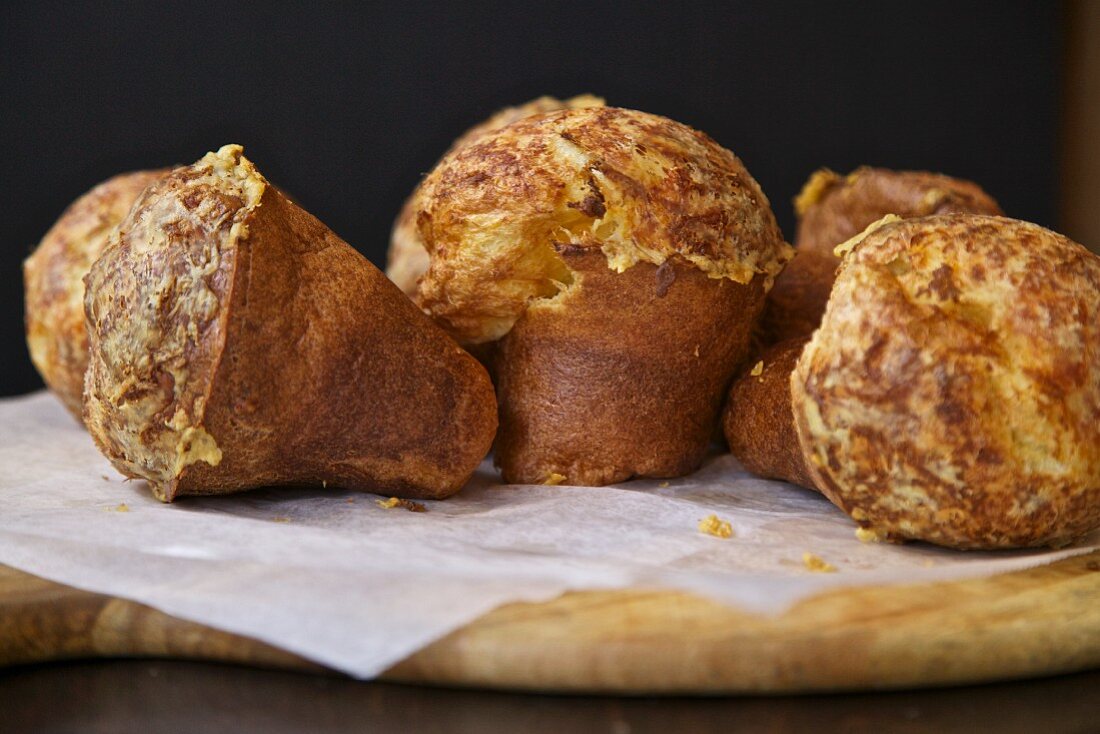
x=869 y=535
x=121 y=507
x=872 y=535
x=282 y=519
x=664 y=485
x=554 y=479
x=713 y=525
x=817 y=564
x=393 y=502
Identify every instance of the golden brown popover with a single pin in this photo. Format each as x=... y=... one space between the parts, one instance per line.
x=618 y=262
x=236 y=342
x=952 y=391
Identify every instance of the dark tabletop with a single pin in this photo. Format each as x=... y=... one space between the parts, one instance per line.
x=162 y=696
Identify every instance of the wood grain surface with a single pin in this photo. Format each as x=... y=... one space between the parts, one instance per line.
x=1025 y=624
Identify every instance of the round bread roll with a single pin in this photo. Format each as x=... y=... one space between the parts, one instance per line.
x=832 y=209
x=619 y=261
x=407 y=259
x=54 y=287
x=952 y=391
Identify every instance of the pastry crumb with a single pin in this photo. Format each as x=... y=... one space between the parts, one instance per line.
x=393 y=502
x=350 y=500
x=817 y=564
x=104 y=477
x=324 y=484
x=553 y=479
x=696 y=350
x=869 y=535
x=714 y=525
x=282 y=519
x=757 y=369
x=664 y=485
x=121 y=507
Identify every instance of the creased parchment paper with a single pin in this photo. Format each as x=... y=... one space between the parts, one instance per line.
x=334 y=577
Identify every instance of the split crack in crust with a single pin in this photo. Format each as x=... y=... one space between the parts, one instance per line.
x=407 y=259
x=952 y=392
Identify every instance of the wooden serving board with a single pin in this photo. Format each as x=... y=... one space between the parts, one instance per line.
x=1029 y=623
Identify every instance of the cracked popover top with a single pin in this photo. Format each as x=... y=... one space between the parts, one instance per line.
x=501 y=215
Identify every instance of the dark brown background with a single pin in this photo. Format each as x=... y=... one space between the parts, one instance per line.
x=346 y=105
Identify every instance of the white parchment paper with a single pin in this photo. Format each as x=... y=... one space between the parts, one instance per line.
x=331 y=576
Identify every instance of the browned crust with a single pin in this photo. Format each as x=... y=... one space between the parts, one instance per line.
x=624 y=377
x=832 y=210
x=758 y=421
x=309 y=366
x=797 y=300
x=952 y=392
x=635 y=187
x=54 y=287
